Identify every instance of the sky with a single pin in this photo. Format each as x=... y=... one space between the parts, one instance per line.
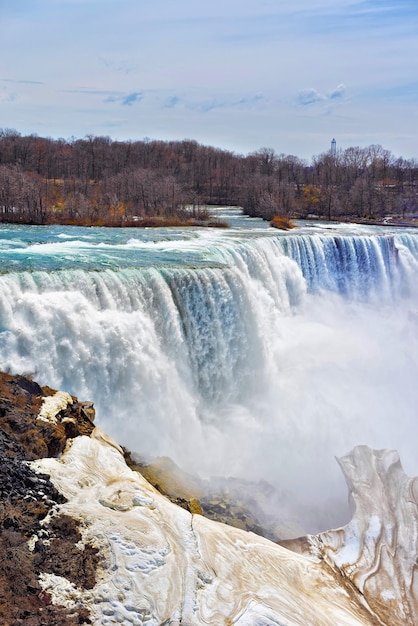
x=235 y=74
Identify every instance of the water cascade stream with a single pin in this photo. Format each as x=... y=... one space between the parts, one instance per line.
x=246 y=352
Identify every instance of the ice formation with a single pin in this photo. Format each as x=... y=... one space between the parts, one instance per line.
x=162 y=565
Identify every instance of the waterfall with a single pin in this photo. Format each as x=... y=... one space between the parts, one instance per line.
x=360 y=266
x=264 y=361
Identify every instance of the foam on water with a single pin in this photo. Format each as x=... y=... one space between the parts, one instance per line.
x=264 y=358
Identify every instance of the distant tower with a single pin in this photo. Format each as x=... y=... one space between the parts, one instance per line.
x=333 y=147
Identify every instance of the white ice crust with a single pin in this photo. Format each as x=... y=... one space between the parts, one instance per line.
x=161 y=565
x=378 y=549
x=52 y=405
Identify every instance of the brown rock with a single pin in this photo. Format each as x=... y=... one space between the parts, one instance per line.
x=26 y=498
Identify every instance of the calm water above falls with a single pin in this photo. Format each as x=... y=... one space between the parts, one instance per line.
x=246 y=352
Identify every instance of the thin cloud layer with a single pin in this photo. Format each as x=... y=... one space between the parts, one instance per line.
x=198 y=70
x=226 y=103
x=311 y=95
x=126 y=100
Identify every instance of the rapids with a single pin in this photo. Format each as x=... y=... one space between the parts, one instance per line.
x=244 y=352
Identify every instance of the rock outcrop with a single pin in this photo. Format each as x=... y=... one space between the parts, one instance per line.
x=160 y=564
x=87 y=540
x=377 y=551
x=34 y=537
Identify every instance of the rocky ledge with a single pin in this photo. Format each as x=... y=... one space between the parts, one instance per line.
x=86 y=539
x=36 y=422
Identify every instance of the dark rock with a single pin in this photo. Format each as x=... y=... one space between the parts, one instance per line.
x=32 y=388
x=26 y=498
x=63 y=558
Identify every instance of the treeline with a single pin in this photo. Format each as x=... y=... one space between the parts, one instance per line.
x=96 y=180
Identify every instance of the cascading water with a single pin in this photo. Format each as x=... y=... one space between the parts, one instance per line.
x=246 y=352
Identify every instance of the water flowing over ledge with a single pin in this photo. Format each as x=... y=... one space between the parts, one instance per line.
x=248 y=352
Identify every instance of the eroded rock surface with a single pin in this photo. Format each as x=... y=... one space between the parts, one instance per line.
x=377 y=551
x=161 y=564
x=87 y=540
x=32 y=539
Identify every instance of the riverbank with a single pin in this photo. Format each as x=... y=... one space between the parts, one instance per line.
x=146 y=222
x=384 y=221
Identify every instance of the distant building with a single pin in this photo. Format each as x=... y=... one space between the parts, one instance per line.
x=333 y=147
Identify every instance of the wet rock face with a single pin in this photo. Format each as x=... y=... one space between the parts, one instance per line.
x=27 y=501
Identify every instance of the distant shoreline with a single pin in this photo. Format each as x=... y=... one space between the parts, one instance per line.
x=174 y=222
x=368 y=222
x=149 y=222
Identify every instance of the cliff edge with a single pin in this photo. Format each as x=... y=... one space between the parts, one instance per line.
x=87 y=540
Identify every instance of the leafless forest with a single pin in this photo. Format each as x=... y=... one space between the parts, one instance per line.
x=98 y=181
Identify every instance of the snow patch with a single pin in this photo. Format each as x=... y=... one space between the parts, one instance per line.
x=52 y=405
x=160 y=565
x=62 y=591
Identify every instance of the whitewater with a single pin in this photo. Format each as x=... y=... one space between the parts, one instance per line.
x=244 y=352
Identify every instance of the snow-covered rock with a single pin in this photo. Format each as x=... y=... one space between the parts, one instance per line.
x=377 y=551
x=162 y=565
x=100 y=545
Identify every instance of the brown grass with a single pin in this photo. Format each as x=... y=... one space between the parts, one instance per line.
x=146 y=222
x=283 y=223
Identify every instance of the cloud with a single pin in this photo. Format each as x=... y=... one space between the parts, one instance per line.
x=311 y=95
x=171 y=102
x=123 y=67
x=112 y=95
x=338 y=92
x=209 y=105
x=131 y=98
x=126 y=99
x=7 y=97
x=21 y=82
x=249 y=101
